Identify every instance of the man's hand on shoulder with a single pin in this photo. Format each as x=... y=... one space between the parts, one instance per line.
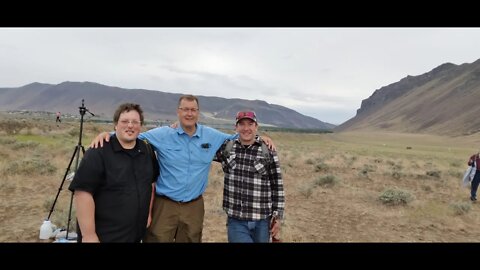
x=98 y=141
x=268 y=141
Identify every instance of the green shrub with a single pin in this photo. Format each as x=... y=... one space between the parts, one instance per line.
x=461 y=208
x=396 y=196
x=391 y=163
x=321 y=167
x=326 y=181
x=74 y=132
x=350 y=161
x=366 y=169
x=396 y=174
x=60 y=217
x=12 y=126
x=427 y=188
x=4 y=141
x=306 y=190
x=27 y=145
x=30 y=166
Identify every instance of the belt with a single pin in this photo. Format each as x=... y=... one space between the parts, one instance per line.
x=168 y=198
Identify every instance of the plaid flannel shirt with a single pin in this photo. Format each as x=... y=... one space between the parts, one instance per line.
x=253 y=186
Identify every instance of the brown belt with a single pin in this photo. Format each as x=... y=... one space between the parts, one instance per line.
x=167 y=198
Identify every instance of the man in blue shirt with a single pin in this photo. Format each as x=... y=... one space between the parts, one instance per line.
x=185 y=154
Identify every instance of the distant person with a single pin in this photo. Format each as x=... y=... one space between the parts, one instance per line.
x=114 y=185
x=474 y=161
x=58 y=120
x=253 y=195
x=185 y=154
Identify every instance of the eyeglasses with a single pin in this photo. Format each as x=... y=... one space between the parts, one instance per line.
x=249 y=114
x=133 y=122
x=186 y=110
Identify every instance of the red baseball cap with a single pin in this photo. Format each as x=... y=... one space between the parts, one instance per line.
x=246 y=114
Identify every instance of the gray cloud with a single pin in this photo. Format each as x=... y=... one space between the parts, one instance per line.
x=321 y=72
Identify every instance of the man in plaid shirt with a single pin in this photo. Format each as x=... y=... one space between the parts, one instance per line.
x=253 y=195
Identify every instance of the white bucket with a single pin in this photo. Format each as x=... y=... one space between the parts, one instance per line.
x=46 y=230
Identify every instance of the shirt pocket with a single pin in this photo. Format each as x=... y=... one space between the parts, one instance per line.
x=260 y=166
x=172 y=154
x=230 y=164
x=172 y=148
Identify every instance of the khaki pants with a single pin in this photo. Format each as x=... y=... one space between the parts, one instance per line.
x=176 y=222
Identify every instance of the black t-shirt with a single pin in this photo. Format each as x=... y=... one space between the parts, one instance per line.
x=120 y=181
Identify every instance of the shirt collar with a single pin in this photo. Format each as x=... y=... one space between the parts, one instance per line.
x=257 y=140
x=118 y=147
x=197 y=133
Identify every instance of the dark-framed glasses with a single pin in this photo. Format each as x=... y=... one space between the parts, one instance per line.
x=133 y=122
x=186 y=110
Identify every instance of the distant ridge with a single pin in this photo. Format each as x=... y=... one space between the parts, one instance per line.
x=103 y=100
x=443 y=101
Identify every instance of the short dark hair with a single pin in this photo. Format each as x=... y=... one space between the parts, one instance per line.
x=126 y=107
x=190 y=98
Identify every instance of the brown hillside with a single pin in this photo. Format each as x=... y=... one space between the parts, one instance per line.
x=102 y=100
x=442 y=101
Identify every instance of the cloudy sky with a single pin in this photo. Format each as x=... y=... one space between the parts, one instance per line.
x=320 y=72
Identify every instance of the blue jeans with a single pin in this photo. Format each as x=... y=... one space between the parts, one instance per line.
x=243 y=231
x=475 y=183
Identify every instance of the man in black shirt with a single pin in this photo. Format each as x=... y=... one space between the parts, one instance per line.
x=114 y=185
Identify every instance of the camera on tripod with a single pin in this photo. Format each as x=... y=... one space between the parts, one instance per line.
x=46 y=230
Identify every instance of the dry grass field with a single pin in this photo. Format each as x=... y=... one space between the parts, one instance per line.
x=340 y=187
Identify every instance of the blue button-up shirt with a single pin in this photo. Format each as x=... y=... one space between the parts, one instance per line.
x=184 y=161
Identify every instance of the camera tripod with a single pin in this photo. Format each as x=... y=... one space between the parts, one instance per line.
x=76 y=157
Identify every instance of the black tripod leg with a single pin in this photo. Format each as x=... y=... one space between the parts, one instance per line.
x=69 y=215
x=63 y=180
x=71 y=195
